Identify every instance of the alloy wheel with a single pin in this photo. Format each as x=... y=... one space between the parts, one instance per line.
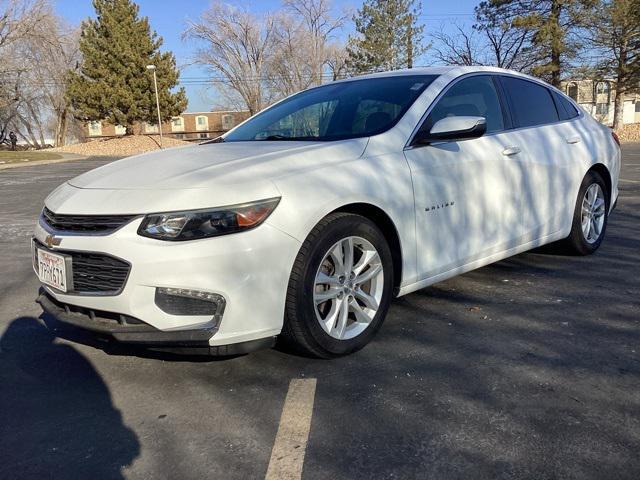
x=593 y=213
x=348 y=288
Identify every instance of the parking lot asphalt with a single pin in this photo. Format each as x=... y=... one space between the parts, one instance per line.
x=527 y=368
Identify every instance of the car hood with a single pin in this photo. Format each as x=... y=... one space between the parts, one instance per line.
x=210 y=165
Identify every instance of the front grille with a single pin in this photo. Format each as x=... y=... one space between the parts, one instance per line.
x=98 y=273
x=100 y=224
x=95 y=273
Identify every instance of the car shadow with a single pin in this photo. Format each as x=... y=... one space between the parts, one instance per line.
x=56 y=412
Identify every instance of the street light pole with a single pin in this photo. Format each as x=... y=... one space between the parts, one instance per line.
x=155 y=84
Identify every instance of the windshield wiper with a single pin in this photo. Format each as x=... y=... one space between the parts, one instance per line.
x=283 y=137
x=213 y=140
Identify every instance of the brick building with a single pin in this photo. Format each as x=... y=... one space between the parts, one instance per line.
x=188 y=126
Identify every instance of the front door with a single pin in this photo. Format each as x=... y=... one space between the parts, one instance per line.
x=467 y=193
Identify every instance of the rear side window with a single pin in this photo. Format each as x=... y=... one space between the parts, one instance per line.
x=566 y=110
x=531 y=103
x=475 y=96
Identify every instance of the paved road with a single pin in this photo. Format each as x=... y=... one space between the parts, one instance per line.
x=529 y=368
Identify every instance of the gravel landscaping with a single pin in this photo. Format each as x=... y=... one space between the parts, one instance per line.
x=120 y=147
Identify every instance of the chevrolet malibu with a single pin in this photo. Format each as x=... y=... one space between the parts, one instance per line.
x=305 y=220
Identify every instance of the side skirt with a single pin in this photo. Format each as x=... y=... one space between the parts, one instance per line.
x=481 y=263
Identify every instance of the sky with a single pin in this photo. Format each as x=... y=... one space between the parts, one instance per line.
x=168 y=18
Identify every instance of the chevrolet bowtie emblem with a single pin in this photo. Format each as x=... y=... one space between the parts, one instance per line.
x=52 y=240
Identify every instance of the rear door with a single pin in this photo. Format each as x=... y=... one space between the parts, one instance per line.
x=550 y=145
x=467 y=193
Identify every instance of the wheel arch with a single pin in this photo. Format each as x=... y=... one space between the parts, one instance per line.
x=389 y=230
x=603 y=171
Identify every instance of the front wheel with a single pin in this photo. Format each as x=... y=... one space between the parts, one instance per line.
x=340 y=287
x=590 y=216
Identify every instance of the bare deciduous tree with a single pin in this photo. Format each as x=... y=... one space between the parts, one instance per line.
x=318 y=25
x=461 y=47
x=261 y=59
x=304 y=32
x=38 y=50
x=19 y=20
x=491 y=40
x=237 y=47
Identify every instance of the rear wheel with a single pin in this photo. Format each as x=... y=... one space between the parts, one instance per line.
x=590 y=216
x=340 y=287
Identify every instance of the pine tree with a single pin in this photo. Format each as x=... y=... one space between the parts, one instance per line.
x=113 y=83
x=552 y=25
x=613 y=29
x=389 y=36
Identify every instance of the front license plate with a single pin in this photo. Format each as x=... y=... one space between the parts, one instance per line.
x=52 y=270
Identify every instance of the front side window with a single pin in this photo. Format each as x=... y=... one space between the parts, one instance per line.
x=531 y=102
x=336 y=111
x=475 y=96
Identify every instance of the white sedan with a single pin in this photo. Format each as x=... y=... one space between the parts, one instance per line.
x=304 y=221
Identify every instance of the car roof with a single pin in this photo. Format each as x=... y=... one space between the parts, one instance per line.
x=451 y=71
x=454 y=70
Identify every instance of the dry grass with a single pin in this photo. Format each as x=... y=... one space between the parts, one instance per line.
x=120 y=147
x=7 y=157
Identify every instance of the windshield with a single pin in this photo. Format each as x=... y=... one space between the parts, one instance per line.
x=357 y=108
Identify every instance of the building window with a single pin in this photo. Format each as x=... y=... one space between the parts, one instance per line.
x=572 y=90
x=602 y=88
x=177 y=124
x=150 y=128
x=602 y=109
x=203 y=136
x=202 y=122
x=179 y=136
x=95 y=129
x=120 y=130
x=227 y=122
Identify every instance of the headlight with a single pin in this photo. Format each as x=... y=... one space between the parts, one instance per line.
x=194 y=224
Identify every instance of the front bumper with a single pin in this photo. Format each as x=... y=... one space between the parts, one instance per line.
x=134 y=332
x=250 y=270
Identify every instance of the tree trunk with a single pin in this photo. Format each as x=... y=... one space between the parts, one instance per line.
x=556 y=42
x=61 y=128
x=410 y=43
x=129 y=130
x=618 y=103
x=618 y=110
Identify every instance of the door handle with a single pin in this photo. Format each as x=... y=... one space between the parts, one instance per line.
x=573 y=140
x=511 y=151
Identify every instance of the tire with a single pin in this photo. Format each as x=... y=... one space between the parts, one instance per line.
x=321 y=329
x=578 y=242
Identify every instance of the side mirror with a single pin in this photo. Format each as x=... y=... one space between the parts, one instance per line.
x=453 y=129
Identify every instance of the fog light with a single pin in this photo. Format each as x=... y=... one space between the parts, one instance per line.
x=180 y=301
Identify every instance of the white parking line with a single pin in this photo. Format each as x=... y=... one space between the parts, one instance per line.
x=287 y=456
